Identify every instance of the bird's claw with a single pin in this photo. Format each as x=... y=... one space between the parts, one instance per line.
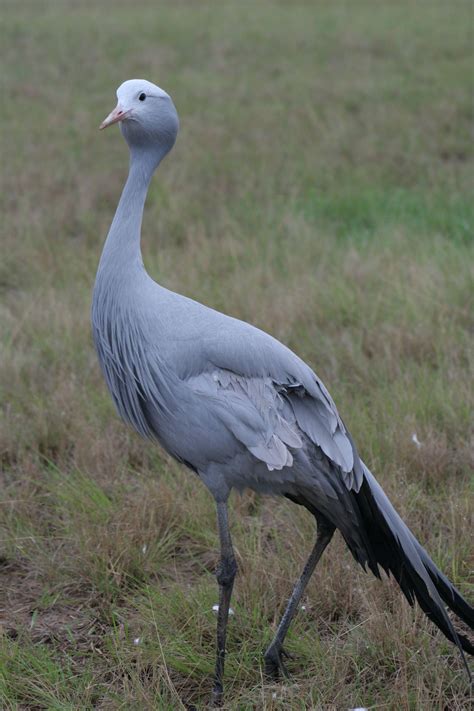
x=217 y=697
x=274 y=666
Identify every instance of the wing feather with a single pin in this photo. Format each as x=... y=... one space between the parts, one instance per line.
x=261 y=368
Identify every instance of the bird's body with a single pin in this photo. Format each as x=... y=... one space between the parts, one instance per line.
x=233 y=403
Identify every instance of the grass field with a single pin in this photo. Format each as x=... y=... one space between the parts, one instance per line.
x=321 y=188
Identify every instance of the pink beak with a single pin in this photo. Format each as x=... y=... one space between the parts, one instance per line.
x=118 y=114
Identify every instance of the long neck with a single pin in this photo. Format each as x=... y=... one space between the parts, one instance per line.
x=122 y=247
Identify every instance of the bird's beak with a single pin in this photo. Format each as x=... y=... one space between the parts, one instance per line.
x=118 y=114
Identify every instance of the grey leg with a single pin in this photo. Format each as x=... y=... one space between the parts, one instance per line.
x=273 y=662
x=225 y=574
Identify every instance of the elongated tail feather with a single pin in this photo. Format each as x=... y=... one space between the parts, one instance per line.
x=448 y=592
x=399 y=553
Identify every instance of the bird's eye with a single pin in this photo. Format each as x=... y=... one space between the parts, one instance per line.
x=142 y=96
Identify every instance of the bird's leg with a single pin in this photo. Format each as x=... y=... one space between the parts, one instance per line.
x=225 y=575
x=273 y=656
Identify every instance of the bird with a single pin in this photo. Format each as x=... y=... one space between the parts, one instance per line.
x=238 y=408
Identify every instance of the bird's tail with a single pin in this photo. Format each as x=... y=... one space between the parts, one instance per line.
x=393 y=547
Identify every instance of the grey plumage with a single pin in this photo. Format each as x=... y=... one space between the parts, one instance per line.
x=233 y=403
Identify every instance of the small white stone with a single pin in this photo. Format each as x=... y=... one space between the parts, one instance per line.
x=215 y=608
x=136 y=641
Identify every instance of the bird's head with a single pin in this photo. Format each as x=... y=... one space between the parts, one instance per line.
x=147 y=116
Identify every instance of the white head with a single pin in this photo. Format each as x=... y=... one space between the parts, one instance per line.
x=147 y=116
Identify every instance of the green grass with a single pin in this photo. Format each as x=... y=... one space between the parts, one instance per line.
x=321 y=187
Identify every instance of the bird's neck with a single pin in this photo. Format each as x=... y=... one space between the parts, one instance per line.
x=122 y=253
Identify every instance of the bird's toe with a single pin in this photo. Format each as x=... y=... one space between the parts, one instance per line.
x=275 y=668
x=217 y=696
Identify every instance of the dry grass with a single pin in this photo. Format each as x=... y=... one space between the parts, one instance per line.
x=320 y=188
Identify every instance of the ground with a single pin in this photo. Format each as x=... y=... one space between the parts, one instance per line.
x=321 y=188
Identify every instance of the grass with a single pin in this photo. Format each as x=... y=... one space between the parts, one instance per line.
x=321 y=187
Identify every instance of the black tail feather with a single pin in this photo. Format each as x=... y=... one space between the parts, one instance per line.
x=379 y=539
x=447 y=591
x=396 y=550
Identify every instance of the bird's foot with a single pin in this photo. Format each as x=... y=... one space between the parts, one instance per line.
x=217 y=696
x=275 y=669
